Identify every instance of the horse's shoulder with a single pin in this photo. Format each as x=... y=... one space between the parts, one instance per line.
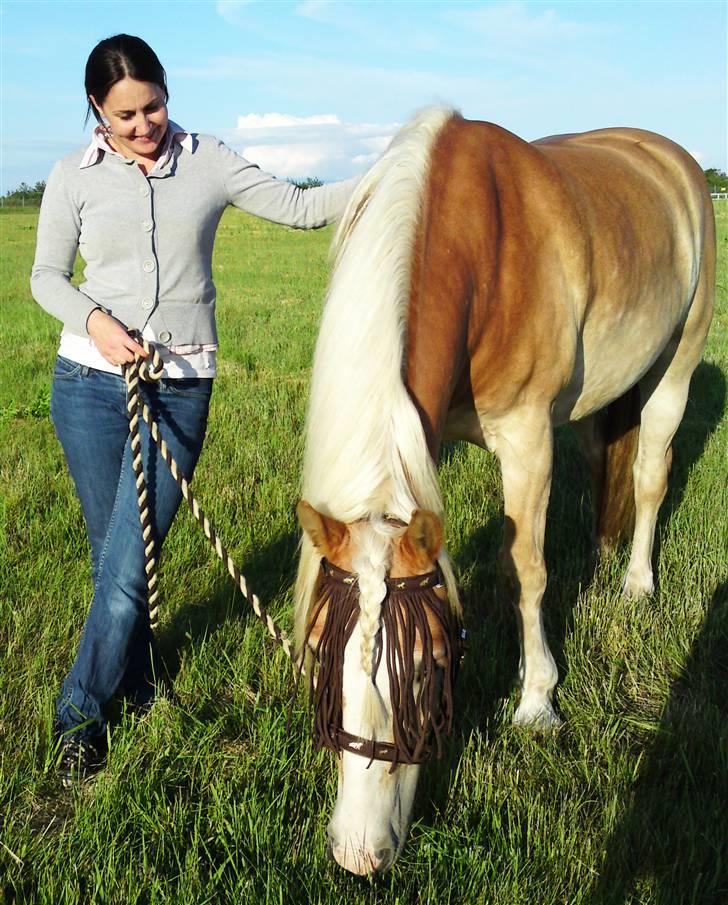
x=479 y=135
x=478 y=147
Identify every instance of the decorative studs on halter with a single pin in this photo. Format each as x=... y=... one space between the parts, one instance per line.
x=419 y=638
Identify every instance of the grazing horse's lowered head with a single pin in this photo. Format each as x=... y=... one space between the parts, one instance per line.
x=387 y=643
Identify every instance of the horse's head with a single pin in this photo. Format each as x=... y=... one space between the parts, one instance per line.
x=387 y=642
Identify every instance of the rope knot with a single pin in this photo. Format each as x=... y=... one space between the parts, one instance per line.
x=149 y=368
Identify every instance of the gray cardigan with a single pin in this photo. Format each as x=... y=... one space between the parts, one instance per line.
x=147 y=241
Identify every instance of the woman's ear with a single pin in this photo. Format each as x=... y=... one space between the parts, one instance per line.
x=92 y=100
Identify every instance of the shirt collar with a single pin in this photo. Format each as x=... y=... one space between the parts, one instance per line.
x=174 y=134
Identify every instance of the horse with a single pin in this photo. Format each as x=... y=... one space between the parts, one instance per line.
x=483 y=289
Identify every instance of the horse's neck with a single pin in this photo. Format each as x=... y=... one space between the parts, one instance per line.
x=443 y=278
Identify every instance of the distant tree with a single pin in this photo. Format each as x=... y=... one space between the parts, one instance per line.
x=717 y=180
x=24 y=194
x=308 y=183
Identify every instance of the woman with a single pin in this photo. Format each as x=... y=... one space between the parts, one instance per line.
x=141 y=204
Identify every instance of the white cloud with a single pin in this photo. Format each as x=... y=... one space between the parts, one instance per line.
x=284 y=120
x=229 y=9
x=319 y=145
x=312 y=9
x=513 y=21
x=515 y=32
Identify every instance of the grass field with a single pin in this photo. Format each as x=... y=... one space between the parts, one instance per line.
x=213 y=798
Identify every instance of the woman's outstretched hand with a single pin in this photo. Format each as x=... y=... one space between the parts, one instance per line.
x=111 y=338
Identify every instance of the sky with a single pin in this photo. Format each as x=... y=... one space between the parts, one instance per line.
x=318 y=87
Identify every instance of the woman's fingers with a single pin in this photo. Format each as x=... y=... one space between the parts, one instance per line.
x=133 y=347
x=112 y=339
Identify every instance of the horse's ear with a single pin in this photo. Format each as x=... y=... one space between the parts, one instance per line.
x=325 y=533
x=423 y=537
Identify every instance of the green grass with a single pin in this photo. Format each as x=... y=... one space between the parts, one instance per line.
x=214 y=798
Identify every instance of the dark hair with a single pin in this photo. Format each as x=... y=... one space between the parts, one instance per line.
x=116 y=58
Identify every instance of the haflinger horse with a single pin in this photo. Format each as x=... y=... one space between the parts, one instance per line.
x=484 y=289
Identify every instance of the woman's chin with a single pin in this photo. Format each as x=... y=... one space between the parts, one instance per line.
x=146 y=147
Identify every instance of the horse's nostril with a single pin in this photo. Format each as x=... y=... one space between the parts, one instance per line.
x=362 y=861
x=382 y=860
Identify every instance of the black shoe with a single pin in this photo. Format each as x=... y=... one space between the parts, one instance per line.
x=79 y=759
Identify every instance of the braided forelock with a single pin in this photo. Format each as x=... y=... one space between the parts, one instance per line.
x=373 y=543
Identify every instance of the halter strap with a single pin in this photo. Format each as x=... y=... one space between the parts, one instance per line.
x=373 y=749
x=404 y=584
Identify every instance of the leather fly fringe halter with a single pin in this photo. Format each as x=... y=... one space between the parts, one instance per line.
x=419 y=713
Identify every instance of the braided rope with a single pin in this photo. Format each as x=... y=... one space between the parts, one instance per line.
x=151 y=370
x=142 y=369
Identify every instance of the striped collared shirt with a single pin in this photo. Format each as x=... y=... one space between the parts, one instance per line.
x=99 y=143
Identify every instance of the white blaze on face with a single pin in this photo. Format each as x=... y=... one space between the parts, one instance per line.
x=373 y=806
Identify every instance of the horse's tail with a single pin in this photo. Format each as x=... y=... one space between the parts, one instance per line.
x=620 y=432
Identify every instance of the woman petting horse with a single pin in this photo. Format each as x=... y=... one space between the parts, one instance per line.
x=142 y=204
x=485 y=289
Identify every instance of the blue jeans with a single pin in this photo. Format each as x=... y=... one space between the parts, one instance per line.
x=88 y=408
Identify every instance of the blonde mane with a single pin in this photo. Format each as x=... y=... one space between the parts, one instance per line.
x=366 y=452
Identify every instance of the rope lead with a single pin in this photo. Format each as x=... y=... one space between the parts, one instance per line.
x=151 y=369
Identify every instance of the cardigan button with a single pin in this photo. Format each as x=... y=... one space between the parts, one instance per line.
x=148 y=266
x=147 y=226
x=144 y=190
x=165 y=336
x=147 y=303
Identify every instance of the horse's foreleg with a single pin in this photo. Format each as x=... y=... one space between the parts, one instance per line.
x=524 y=446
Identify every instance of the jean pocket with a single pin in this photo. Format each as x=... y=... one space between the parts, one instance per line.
x=189 y=386
x=65 y=369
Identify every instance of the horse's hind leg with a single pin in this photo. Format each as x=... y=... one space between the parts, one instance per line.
x=664 y=393
x=524 y=446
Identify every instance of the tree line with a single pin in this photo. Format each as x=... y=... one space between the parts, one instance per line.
x=717 y=180
x=24 y=195
x=30 y=195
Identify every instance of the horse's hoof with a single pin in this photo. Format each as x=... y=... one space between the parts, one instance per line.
x=636 y=586
x=538 y=718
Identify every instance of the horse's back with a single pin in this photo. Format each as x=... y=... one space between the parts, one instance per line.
x=579 y=259
x=634 y=166
x=644 y=203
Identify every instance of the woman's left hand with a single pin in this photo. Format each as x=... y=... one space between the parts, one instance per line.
x=111 y=338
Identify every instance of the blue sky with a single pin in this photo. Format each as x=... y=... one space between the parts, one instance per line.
x=316 y=88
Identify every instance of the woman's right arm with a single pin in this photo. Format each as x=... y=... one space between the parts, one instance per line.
x=59 y=228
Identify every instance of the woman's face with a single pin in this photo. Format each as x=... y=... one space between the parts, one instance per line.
x=137 y=116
